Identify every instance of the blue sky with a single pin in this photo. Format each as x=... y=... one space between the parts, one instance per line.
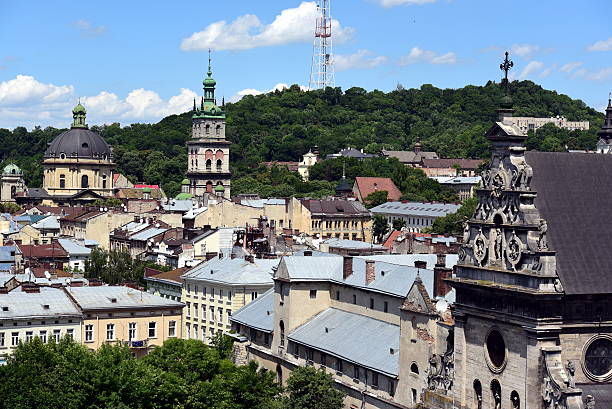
x=136 y=61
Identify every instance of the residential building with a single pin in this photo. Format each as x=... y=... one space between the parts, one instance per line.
x=451 y=167
x=308 y=159
x=365 y=186
x=245 y=211
x=208 y=151
x=214 y=289
x=351 y=247
x=48 y=228
x=463 y=185
x=49 y=256
x=116 y=314
x=351 y=153
x=135 y=237
x=167 y=284
x=78 y=252
x=373 y=325
x=415 y=215
x=327 y=218
x=31 y=311
x=526 y=124
x=413 y=158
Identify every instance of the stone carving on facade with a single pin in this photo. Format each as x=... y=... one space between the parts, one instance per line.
x=590 y=402
x=542 y=241
x=558 y=387
x=514 y=250
x=480 y=247
x=441 y=371
x=498 y=245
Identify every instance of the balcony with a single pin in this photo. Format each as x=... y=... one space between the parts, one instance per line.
x=137 y=344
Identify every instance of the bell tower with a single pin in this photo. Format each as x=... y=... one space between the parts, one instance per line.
x=208 y=151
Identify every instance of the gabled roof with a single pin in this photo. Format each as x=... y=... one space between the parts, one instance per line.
x=48 y=303
x=368 y=185
x=118 y=297
x=418 y=300
x=53 y=250
x=235 y=271
x=416 y=209
x=362 y=340
x=471 y=164
x=258 y=314
x=74 y=248
x=337 y=207
x=410 y=156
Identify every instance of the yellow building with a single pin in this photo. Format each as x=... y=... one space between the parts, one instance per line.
x=114 y=314
x=78 y=160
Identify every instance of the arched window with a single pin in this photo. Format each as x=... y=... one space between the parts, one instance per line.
x=477 y=394
x=207 y=129
x=279 y=374
x=62 y=181
x=103 y=181
x=515 y=400
x=208 y=164
x=496 y=393
x=219 y=164
x=414 y=368
x=218 y=130
x=84 y=181
x=13 y=191
x=282 y=333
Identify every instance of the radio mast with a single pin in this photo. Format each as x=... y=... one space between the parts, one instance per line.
x=322 y=68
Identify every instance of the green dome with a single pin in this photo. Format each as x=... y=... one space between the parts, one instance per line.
x=219 y=188
x=506 y=101
x=209 y=81
x=79 y=109
x=146 y=190
x=11 y=169
x=183 y=196
x=185 y=181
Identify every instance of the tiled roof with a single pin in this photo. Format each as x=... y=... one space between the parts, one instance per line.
x=416 y=209
x=368 y=185
x=82 y=216
x=394 y=235
x=54 y=250
x=48 y=303
x=368 y=342
x=575 y=198
x=258 y=314
x=136 y=193
x=235 y=271
x=471 y=164
x=410 y=156
x=118 y=297
x=173 y=276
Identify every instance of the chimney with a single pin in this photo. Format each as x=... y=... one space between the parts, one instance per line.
x=420 y=264
x=370 y=271
x=347 y=267
x=3 y=290
x=441 y=287
x=210 y=255
x=233 y=256
x=250 y=258
x=307 y=253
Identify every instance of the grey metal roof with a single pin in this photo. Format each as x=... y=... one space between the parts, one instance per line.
x=100 y=298
x=233 y=271
x=82 y=142
x=409 y=259
x=390 y=278
x=48 y=223
x=415 y=209
x=74 y=248
x=175 y=205
x=355 y=338
x=259 y=203
x=457 y=180
x=258 y=314
x=147 y=234
x=7 y=253
x=204 y=235
x=49 y=303
x=352 y=244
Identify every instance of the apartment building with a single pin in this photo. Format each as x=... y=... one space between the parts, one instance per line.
x=416 y=215
x=214 y=289
x=30 y=311
x=116 y=314
x=383 y=329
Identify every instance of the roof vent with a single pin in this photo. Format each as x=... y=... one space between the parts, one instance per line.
x=113 y=300
x=45 y=306
x=4 y=308
x=382 y=273
x=391 y=351
x=326 y=330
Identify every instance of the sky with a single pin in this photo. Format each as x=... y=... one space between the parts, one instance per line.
x=137 y=61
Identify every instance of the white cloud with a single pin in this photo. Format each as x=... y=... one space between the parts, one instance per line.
x=393 y=3
x=569 y=67
x=252 y=91
x=88 y=29
x=245 y=32
x=530 y=68
x=546 y=72
x=600 y=75
x=25 y=101
x=524 y=50
x=604 y=45
x=418 y=55
x=362 y=59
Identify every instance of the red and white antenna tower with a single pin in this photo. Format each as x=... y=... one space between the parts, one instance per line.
x=322 y=68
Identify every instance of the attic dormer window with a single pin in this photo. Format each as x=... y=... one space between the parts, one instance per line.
x=84 y=145
x=113 y=300
x=45 y=306
x=5 y=308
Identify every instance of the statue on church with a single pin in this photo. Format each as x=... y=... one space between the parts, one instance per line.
x=497 y=398
x=498 y=244
x=571 y=370
x=514 y=400
x=590 y=402
x=542 y=241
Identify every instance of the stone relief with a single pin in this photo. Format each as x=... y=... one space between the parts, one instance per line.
x=514 y=250
x=480 y=247
x=441 y=371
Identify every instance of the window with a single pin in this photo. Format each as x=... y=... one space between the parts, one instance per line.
x=57 y=335
x=356 y=372
x=15 y=338
x=391 y=387
x=414 y=396
x=598 y=358
x=195 y=309
x=204 y=288
x=313 y=293
x=89 y=333
x=219 y=164
x=188 y=306
x=203 y=312
x=496 y=349
x=1 y=339
x=267 y=339
x=338 y=364
x=220 y=295
x=323 y=359
x=29 y=336
x=296 y=350
x=371 y=303
x=414 y=368
x=282 y=333
x=220 y=314
x=218 y=129
x=103 y=181
x=386 y=306
x=62 y=181
x=110 y=332
x=229 y=296
x=254 y=295
x=84 y=181
x=70 y=333
x=337 y=295
x=172 y=328
x=207 y=128
x=188 y=326
x=195 y=332
x=131 y=331
x=152 y=329
x=208 y=164
x=354 y=299
x=253 y=334
x=229 y=313
x=374 y=379
x=43 y=336
x=309 y=354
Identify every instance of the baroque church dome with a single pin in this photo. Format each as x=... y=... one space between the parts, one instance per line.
x=79 y=141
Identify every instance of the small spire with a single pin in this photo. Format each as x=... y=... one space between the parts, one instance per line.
x=202 y=104
x=209 y=65
x=609 y=99
x=343 y=170
x=194 y=105
x=223 y=102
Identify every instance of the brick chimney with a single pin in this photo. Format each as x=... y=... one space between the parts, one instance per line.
x=441 y=287
x=347 y=267
x=420 y=264
x=370 y=271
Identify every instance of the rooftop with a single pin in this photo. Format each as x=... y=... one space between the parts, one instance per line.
x=48 y=303
x=469 y=164
x=118 y=297
x=337 y=207
x=170 y=277
x=235 y=271
x=258 y=314
x=352 y=244
x=416 y=209
x=369 y=185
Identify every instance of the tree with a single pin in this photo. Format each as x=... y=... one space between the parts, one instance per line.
x=398 y=224
x=376 y=198
x=310 y=388
x=96 y=264
x=380 y=227
x=223 y=344
x=453 y=223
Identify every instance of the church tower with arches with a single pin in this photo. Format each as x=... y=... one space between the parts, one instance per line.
x=208 y=151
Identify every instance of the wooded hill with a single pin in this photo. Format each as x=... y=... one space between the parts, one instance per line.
x=283 y=125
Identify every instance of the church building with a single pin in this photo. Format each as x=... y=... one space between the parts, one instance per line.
x=208 y=151
x=11 y=183
x=604 y=135
x=78 y=162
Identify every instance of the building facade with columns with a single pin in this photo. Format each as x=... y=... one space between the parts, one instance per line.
x=208 y=151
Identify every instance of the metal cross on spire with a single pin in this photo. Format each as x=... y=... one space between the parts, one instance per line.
x=209 y=66
x=505 y=66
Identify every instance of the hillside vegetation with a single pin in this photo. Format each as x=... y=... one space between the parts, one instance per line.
x=283 y=125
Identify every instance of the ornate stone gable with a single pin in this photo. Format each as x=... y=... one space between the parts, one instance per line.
x=506 y=233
